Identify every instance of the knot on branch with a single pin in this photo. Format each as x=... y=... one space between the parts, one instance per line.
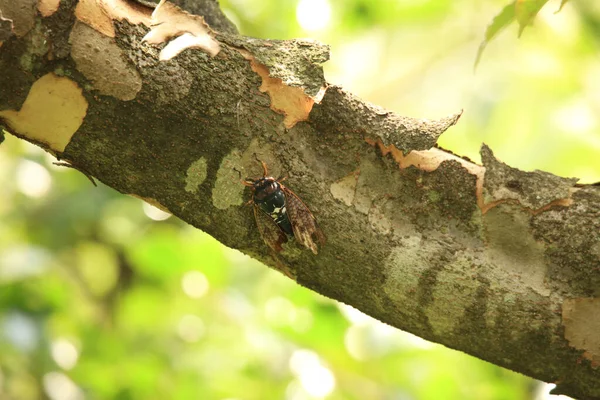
x=343 y=112
x=533 y=190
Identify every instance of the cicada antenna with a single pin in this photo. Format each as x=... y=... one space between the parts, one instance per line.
x=264 y=165
x=265 y=170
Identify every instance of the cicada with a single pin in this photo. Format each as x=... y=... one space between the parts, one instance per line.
x=280 y=214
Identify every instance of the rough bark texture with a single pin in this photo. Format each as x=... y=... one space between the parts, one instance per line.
x=499 y=263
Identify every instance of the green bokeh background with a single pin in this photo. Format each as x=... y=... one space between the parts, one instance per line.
x=100 y=298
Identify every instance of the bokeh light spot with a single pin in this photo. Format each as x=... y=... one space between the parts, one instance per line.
x=20 y=330
x=575 y=118
x=58 y=386
x=64 y=353
x=33 y=180
x=21 y=262
x=194 y=284
x=313 y=15
x=154 y=213
x=316 y=380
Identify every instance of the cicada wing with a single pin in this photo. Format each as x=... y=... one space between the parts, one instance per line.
x=270 y=232
x=305 y=227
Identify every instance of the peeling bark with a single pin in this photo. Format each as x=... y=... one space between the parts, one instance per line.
x=499 y=263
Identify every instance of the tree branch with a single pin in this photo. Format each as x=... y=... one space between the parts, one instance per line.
x=496 y=262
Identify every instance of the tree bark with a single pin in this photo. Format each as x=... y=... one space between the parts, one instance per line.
x=496 y=262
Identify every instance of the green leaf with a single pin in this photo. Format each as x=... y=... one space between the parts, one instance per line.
x=501 y=21
x=526 y=10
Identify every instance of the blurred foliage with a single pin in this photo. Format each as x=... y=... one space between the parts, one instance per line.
x=523 y=11
x=104 y=297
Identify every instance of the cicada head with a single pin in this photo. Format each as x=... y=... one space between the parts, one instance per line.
x=263 y=187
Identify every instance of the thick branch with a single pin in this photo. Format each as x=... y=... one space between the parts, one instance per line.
x=501 y=264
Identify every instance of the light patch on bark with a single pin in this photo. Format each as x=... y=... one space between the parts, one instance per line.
x=344 y=189
x=378 y=220
x=99 y=14
x=190 y=31
x=365 y=192
x=228 y=190
x=404 y=266
x=48 y=7
x=581 y=319
x=100 y=59
x=21 y=12
x=287 y=100
x=450 y=299
x=512 y=247
x=196 y=174
x=51 y=114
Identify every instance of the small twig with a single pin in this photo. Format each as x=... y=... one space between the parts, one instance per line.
x=237 y=113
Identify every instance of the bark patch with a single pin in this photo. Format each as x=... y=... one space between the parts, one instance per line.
x=228 y=190
x=48 y=7
x=296 y=63
x=189 y=31
x=451 y=296
x=100 y=59
x=404 y=265
x=512 y=247
x=99 y=14
x=345 y=189
x=581 y=319
x=53 y=111
x=287 y=100
x=21 y=12
x=196 y=174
